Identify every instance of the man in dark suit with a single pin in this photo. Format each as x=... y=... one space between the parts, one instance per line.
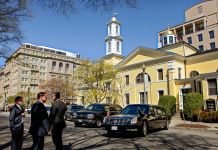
x=16 y=124
x=39 y=122
x=56 y=120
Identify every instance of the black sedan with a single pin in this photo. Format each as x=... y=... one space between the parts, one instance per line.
x=137 y=117
x=71 y=111
x=95 y=113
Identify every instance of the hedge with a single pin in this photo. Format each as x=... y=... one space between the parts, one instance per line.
x=205 y=116
x=193 y=102
x=168 y=102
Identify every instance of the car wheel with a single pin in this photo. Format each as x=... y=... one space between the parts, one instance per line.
x=98 y=123
x=144 y=129
x=77 y=124
x=71 y=117
x=166 y=127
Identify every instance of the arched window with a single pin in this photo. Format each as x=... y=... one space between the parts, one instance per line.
x=193 y=74
x=67 y=66
x=118 y=46
x=140 y=78
x=53 y=63
x=109 y=46
x=60 y=64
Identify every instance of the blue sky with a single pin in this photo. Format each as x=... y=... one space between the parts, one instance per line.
x=84 y=32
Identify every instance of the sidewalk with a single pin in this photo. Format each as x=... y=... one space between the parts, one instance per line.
x=176 y=120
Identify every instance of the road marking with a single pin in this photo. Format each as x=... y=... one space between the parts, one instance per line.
x=205 y=146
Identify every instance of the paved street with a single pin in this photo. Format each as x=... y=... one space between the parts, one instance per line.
x=95 y=138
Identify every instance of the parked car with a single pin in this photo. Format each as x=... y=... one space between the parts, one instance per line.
x=137 y=117
x=95 y=113
x=71 y=110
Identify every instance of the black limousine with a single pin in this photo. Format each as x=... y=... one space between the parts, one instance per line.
x=137 y=117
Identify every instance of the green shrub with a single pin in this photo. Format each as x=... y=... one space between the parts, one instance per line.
x=193 y=102
x=168 y=102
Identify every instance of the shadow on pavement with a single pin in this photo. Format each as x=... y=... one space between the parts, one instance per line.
x=5 y=145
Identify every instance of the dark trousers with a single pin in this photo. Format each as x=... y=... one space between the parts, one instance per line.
x=38 y=142
x=57 y=137
x=17 y=139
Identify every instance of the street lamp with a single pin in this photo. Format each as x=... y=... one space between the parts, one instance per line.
x=5 y=100
x=29 y=103
x=145 y=84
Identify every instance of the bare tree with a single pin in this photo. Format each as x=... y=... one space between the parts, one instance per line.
x=11 y=12
x=66 y=88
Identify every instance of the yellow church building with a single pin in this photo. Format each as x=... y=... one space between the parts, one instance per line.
x=174 y=69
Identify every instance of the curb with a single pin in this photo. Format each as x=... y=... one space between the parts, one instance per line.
x=196 y=129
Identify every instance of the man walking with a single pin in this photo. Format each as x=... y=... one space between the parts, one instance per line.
x=16 y=124
x=39 y=122
x=56 y=120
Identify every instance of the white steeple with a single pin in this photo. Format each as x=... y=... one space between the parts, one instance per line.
x=113 y=39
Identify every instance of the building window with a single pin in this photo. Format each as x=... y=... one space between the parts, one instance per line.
x=201 y=48
x=142 y=97
x=109 y=46
x=200 y=10
x=118 y=46
x=212 y=45
x=189 y=40
x=179 y=73
x=127 y=99
x=170 y=39
x=211 y=33
x=67 y=68
x=140 y=78
x=212 y=86
x=109 y=100
x=200 y=26
x=200 y=37
x=116 y=29
x=127 y=79
x=165 y=40
x=160 y=74
x=193 y=74
x=160 y=93
x=108 y=86
x=110 y=29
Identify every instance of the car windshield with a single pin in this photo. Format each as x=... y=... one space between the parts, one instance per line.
x=95 y=107
x=133 y=109
x=77 y=107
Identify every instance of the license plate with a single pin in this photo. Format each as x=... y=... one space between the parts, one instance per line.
x=79 y=120
x=113 y=127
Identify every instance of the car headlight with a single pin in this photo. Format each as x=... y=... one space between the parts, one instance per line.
x=74 y=115
x=90 y=116
x=105 y=120
x=134 y=120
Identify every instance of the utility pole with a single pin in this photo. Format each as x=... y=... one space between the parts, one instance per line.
x=145 y=84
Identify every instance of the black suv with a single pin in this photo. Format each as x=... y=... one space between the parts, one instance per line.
x=71 y=109
x=95 y=113
x=137 y=117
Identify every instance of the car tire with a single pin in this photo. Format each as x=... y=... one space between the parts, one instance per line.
x=98 y=123
x=166 y=127
x=144 y=129
x=77 y=124
x=71 y=118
